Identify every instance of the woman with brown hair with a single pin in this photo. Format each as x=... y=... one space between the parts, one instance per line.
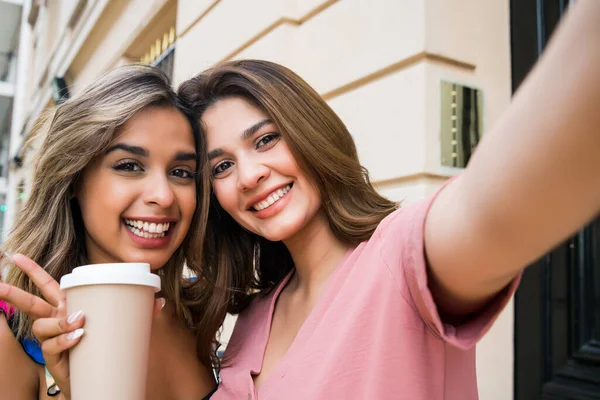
x=116 y=180
x=341 y=294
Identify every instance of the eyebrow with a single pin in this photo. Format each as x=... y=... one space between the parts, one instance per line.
x=182 y=156
x=248 y=133
x=135 y=150
x=141 y=152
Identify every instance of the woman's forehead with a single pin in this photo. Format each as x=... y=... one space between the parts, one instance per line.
x=230 y=118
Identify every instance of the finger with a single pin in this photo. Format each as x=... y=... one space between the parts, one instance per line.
x=28 y=303
x=56 y=357
x=46 y=328
x=53 y=348
x=159 y=304
x=48 y=286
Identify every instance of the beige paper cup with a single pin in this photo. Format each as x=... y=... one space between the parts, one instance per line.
x=111 y=360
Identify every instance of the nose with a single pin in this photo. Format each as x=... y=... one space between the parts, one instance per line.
x=250 y=174
x=158 y=191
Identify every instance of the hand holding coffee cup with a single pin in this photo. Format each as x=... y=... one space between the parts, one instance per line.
x=111 y=361
x=55 y=328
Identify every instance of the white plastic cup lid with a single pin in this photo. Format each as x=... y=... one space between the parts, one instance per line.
x=111 y=274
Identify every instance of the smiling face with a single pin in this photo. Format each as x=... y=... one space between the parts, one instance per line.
x=255 y=177
x=137 y=200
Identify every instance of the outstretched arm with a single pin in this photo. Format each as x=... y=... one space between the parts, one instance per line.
x=534 y=179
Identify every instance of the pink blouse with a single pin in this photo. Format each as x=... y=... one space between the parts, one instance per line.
x=374 y=333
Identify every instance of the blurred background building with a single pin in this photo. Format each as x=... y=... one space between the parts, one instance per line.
x=416 y=82
x=10 y=22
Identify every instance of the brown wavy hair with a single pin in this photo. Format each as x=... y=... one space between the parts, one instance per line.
x=322 y=146
x=49 y=229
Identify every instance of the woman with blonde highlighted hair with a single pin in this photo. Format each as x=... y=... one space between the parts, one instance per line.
x=117 y=179
x=341 y=294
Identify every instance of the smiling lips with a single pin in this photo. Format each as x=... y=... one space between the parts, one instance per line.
x=148 y=230
x=272 y=198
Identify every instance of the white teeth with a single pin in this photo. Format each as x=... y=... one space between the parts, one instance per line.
x=147 y=230
x=272 y=198
x=146 y=235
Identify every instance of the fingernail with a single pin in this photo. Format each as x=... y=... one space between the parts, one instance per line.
x=163 y=302
x=74 y=317
x=76 y=334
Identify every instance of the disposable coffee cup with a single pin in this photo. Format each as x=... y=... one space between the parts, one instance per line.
x=111 y=360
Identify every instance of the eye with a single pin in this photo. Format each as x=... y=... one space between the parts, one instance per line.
x=268 y=139
x=127 y=166
x=221 y=167
x=183 y=173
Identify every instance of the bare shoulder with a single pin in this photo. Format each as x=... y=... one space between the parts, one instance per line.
x=21 y=380
x=9 y=346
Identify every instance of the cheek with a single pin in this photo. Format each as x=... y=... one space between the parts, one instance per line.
x=187 y=207
x=92 y=200
x=188 y=201
x=314 y=197
x=285 y=161
x=104 y=201
x=99 y=215
x=226 y=195
x=309 y=189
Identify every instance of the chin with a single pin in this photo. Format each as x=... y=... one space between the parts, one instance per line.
x=156 y=267
x=156 y=263
x=274 y=238
x=278 y=235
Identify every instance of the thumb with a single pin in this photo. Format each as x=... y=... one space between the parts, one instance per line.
x=159 y=304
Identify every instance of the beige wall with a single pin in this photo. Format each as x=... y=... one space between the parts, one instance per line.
x=119 y=26
x=379 y=64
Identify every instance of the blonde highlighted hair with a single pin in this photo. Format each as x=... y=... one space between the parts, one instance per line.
x=49 y=229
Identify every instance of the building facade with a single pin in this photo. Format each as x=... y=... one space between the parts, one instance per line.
x=10 y=23
x=416 y=81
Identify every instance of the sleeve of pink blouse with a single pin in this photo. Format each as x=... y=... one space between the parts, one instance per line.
x=403 y=250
